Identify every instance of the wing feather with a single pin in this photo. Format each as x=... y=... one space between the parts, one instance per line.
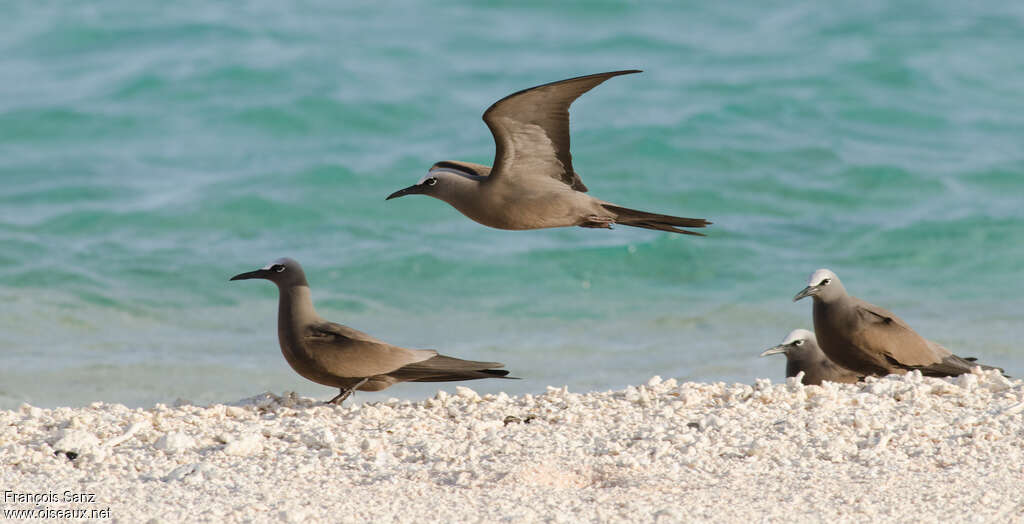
x=884 y=333
x=531 y=129
x=347 y=352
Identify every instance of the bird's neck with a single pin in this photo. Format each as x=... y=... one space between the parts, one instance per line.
x=462 y=189
x=473 y=197
x=295 y=307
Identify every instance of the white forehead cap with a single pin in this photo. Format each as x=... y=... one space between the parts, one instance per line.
x=798 y=334
x=820 y=275
x=443 y=169
x=283 y=261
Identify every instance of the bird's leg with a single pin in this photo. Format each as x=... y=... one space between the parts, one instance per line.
x=337 y=400
x=598 y=222
x=340 y=397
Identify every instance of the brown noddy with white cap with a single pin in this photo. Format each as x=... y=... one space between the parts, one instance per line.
x=532 y=184
x=803 y=354
x=865 y=338
x=339 y=356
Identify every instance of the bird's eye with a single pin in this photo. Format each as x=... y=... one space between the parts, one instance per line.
x=277 y=268
x=799 y=342
x=826 y=282
x=430 y=181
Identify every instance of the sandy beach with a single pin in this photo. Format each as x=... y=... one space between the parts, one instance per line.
x=904 y=448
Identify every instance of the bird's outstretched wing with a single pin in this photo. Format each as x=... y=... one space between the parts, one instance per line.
x=531 y=129
x=347 y=352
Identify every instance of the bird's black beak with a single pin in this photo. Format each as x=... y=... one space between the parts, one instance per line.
x=775 y=350
x=415 y=189
x=259 y=273
x=808 y=291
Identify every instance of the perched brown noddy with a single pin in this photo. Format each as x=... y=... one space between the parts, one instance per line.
x=803 y=354
x=339 y=356
x=870 y=340
x=532 y=184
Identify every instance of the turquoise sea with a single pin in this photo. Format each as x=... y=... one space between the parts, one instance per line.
x=149 y=151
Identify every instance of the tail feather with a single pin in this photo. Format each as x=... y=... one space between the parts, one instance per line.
x=470 y=375
x=953 y=365
x=445 y=369
x=637 y=218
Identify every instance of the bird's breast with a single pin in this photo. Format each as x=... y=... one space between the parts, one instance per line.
x=302 y=362
x=507 y=208
x=835 y=329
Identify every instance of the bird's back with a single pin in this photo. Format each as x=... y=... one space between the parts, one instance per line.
x=817 y=368
x=835 y=324
x=333 y=354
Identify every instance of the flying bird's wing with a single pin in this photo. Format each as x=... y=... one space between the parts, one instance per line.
x=531 y=129
x=347 y=352
x=884 y=333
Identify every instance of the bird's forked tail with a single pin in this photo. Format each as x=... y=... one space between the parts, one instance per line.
x=636 y=218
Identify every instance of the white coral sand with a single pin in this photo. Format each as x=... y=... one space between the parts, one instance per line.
x=900 y=448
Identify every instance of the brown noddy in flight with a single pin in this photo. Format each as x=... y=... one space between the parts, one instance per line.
x=865 y=338
x=803 y=354
x=532 y=184
x=339 y=356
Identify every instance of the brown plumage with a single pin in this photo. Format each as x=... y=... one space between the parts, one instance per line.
x=871 y=340
x=635 y=218
x=804 y=355
x=533 y=184
x=335 y=355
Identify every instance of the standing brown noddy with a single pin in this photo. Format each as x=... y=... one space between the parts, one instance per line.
x=532 y=184
x=339 y=356
x=803 y=354
x=870 y=340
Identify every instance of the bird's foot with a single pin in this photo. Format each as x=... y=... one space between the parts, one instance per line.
x=345 y=393
x=340 y=397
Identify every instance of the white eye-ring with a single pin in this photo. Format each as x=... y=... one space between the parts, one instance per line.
x=430 y=181
x=279 y=268
x=826 y=282
x=799 y=342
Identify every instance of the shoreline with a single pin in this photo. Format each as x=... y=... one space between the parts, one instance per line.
x=894 y=448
